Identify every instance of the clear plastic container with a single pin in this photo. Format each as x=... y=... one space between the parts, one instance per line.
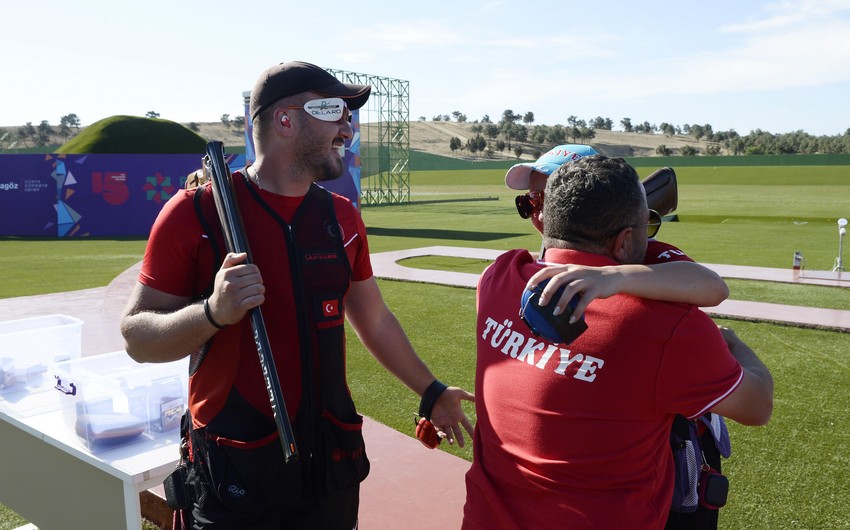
x=28 y=347
x=111 y=400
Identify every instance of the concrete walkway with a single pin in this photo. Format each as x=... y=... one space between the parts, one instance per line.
x=385 y=265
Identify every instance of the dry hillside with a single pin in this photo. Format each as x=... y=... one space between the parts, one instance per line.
x=433 y=137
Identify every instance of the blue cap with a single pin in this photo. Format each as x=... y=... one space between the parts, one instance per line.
x=543 y=323
x=517 y=176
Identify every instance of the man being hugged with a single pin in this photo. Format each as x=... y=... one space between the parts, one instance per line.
x=577 y=435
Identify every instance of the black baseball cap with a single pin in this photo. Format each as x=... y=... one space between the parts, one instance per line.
x=295 y=77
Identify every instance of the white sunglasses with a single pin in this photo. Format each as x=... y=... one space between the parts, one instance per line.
x=326 y=109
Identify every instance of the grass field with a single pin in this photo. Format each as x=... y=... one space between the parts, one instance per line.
x=788 y=474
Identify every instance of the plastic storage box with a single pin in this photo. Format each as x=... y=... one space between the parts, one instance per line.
x=27 y=349
x=111 y=400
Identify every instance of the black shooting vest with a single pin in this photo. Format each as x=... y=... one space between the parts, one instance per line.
x=306 y=273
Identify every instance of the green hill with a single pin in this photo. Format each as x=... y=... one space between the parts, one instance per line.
x=134 y=135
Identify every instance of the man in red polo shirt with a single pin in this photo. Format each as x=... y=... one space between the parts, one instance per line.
x=668 y=274
x=576 y=436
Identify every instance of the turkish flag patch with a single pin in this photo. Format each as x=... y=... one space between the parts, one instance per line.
x=330 y=308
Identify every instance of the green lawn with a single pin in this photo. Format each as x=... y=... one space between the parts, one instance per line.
x=789 y=474
x=40 y=266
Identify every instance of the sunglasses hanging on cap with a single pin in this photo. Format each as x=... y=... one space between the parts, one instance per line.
x=326 y=109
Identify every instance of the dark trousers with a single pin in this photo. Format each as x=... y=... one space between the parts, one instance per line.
x=335 y=511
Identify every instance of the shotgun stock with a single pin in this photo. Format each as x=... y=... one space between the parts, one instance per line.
x=237 y=241
x=662 y=194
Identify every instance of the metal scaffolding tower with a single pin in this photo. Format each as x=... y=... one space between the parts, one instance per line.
x=384 y=138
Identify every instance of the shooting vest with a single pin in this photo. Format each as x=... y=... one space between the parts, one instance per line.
x=306 y=274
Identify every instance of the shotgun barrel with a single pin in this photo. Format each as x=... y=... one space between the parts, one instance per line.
x=237 y=241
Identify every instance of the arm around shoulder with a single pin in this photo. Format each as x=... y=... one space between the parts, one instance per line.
x=685 y=281
x=679 y=281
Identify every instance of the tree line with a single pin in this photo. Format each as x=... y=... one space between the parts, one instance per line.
x=42 y=134
x=516 y=133
x=508 y=133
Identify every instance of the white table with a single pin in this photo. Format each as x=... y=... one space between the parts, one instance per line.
x=55 y=483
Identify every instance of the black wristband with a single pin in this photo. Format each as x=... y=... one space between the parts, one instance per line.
x=429 y=397
x=209 y=314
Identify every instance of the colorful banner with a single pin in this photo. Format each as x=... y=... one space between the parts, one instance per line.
x=89 y=195
x=102 y=195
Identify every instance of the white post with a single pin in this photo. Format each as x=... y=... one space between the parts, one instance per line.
x=842 y=231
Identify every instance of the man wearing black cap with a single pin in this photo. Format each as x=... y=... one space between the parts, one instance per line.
x=310 y=270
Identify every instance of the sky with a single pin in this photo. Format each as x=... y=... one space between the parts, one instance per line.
x=778 y=66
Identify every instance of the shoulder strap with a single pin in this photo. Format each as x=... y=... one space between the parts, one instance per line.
x=202 y=198
x=211 y=235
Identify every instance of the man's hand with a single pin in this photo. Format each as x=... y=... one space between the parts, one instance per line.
x=238 y=289
x=448 y=416
x=590 y=282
